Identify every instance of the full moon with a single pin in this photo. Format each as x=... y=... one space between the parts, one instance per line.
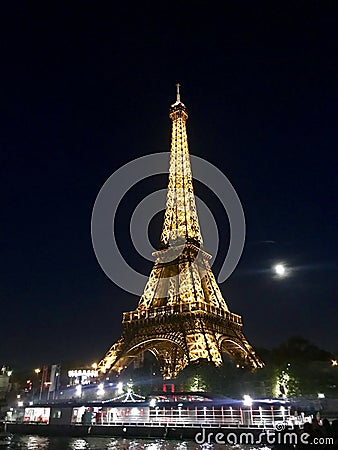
x=280 y=270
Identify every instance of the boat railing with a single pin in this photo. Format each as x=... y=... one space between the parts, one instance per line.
x=225 y=417
x=186 y=424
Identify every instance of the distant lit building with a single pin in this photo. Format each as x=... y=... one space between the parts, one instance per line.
x=5 y=382
x=82 y=376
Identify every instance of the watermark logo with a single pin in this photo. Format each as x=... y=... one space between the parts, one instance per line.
x=118 y=184
x=280 y=436
x=280 y=426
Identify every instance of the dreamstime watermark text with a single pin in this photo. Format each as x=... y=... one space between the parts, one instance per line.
x=269 y=437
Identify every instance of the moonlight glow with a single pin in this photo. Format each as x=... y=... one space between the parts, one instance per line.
x=280 y=270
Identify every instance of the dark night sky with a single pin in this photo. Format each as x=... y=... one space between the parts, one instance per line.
x=85 y=89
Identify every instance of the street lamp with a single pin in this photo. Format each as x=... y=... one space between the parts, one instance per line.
x=35 y=389
x=152 y=403
x=100 y=390
x=120 y=388
x=78 y=390
x=247 y=400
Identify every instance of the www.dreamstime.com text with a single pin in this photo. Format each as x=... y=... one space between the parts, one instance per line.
x=266 y=437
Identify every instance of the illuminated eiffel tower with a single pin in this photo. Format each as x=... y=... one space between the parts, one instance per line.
x=181 y=317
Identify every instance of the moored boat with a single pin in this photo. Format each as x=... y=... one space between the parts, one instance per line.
x=155 y=418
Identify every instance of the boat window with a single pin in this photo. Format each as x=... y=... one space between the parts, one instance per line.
x=57 y=414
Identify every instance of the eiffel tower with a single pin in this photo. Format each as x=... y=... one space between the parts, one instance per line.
x=181 y=317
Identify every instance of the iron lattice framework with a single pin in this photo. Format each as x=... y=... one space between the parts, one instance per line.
x=181 y=316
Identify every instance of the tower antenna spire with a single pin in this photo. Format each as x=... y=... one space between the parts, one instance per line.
x=178 y=97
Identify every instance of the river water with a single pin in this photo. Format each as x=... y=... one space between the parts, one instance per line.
x=106 y=443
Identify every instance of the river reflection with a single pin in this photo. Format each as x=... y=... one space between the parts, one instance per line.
x=106 y=443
